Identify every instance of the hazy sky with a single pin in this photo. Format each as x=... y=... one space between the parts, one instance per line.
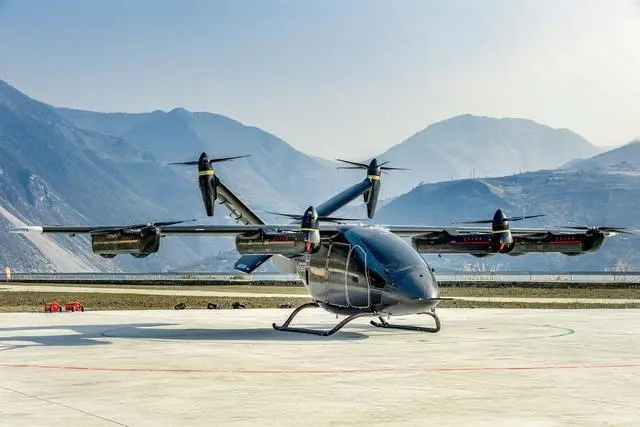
x=336 y=77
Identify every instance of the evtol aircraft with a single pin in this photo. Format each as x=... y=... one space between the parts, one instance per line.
x=353 y=270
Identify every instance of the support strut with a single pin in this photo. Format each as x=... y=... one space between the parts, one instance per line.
x=285 y=326
x=384 y=324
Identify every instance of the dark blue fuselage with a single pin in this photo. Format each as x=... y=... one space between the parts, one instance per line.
x=368 y=269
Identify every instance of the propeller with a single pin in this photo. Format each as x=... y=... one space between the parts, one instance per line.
x=139 y=226
x=489 y=221
x=499 y=217
x=207 y=181
x=374 y=171
x=320 y=218
x=210 y=160
x=604 y=229
x=373 y=166
x=162 y=223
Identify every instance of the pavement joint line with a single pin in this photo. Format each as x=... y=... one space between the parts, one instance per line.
x=42 y=399
x=473 y=369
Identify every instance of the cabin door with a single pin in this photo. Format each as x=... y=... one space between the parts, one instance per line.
x=357 y=280
x=337 y=259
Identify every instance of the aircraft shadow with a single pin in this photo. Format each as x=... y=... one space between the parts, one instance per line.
x=60 y=336
x=85 y=335
x=221 y=334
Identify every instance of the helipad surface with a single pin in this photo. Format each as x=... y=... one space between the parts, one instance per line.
x=198 y=367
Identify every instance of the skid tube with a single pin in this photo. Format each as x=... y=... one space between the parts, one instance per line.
x=285 y=326
x=384 y=324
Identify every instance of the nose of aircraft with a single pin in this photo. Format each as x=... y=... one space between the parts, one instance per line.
x=415 y=290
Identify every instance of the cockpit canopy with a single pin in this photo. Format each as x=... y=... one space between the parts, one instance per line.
x=392 y=252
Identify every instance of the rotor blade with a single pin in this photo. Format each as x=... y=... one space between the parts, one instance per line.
x=383 y=163
x=165 y=223
x=520 y=218
x=194 y=163
x=360 y=165
x=108 y=230
x=481 y=221
x=349 y=167
x=138 y=226
x=581 y=228
x=293 y=216
x=224 y=159
x=156 y=224
x=621 y=230
x=333 y=219
x=388 y=168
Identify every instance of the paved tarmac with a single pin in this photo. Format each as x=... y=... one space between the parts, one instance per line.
x=486 y=367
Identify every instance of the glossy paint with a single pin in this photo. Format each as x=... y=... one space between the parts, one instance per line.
x=207 y=183
x=480 y=244
x=368 y=269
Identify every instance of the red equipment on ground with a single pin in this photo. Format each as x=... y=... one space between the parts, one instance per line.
x=74 y=306
x=53 y=307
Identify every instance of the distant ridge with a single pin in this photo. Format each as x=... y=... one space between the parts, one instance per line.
x=465 y=146
x=625 y=156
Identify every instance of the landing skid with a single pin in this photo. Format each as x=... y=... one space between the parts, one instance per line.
x=384 y=324
x=285 y=326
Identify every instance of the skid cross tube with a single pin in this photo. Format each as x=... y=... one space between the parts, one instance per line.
x=384 y=324
x=285 y=326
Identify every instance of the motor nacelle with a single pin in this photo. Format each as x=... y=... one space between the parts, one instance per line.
x=431 y=242
x=208 y=183
x=371 y=197
x=265 y=242
x=207 y=179
x=138 y=244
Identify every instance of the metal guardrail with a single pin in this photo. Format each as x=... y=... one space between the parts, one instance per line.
x=444 y=277
x=161 y=277
x=542 y=277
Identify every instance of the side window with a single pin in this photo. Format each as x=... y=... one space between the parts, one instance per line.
x=376 y=280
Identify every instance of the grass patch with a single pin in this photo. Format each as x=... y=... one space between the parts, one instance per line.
x=162 y=283
x=262 y=289
x=622 y=284
x=522 y=292
x=537 y=305
x=34 y=301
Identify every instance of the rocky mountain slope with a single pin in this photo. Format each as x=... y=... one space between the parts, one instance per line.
x=471 y=146
x=597 y=197
x=624 y=157
x=53 y=172
x=275 y=175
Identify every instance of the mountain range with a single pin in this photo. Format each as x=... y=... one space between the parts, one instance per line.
x=600 y=191
x=470 y=146
x=60 y=165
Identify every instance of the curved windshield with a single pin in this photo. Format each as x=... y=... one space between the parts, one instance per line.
x=390 y=250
